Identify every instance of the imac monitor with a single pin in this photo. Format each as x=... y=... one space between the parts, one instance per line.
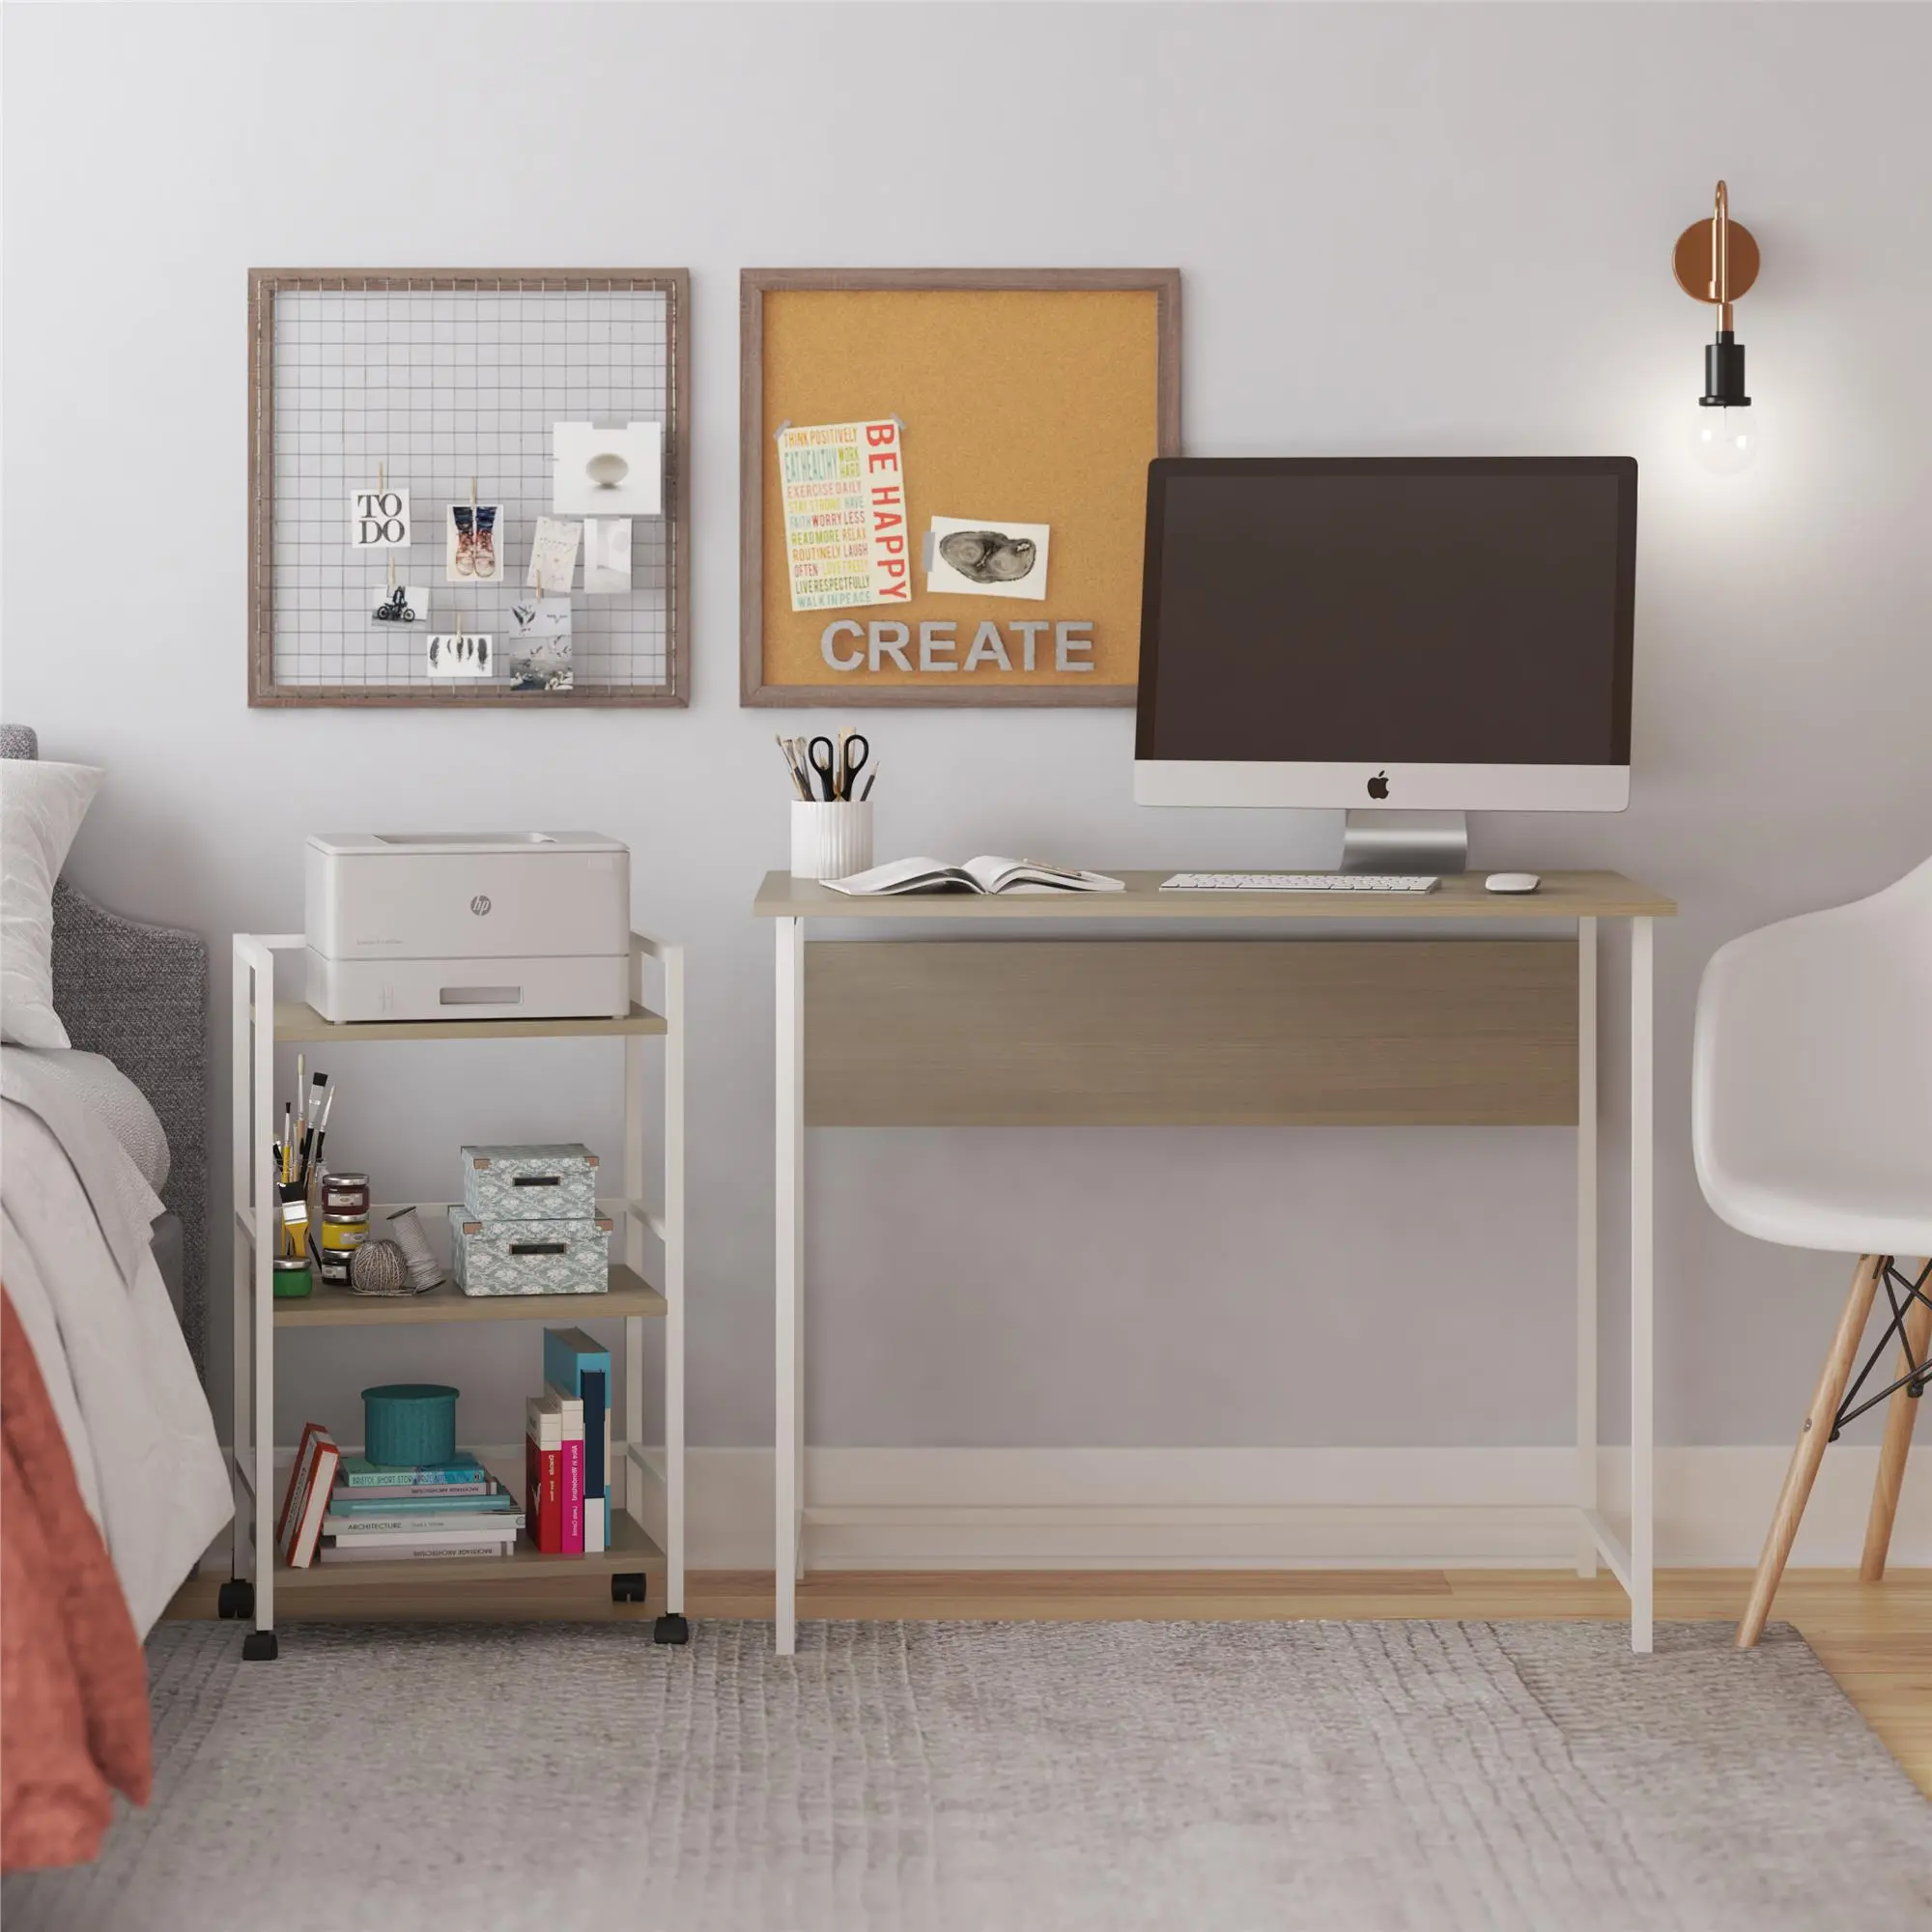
x=1389 y=634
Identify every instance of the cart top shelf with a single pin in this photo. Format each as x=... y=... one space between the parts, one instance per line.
x=297 y=1020
x=332 y=1307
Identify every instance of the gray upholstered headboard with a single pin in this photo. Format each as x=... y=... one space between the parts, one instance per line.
x=138 y=993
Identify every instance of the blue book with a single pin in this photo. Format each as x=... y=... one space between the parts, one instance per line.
x=352 y=1502
x=577 y=1365
x=358 y=1472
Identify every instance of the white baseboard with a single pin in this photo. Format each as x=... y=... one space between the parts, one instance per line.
x=1169 y=1509
x=980 y=1509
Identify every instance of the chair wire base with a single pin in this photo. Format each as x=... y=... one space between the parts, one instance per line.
x=1901 y=1292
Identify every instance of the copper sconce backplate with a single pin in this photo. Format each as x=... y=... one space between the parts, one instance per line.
x=1694 y=269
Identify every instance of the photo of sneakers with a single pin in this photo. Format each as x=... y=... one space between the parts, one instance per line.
x=461 y=561
x=470 y=553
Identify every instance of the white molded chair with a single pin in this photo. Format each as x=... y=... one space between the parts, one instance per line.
x=1810 y=1087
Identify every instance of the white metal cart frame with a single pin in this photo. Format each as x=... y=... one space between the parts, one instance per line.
x=648 y=1532
x=1580 y=898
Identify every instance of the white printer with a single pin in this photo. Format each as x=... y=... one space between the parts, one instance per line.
x=406 y=925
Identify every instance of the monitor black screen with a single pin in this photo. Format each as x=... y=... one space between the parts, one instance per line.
x=1447 y=611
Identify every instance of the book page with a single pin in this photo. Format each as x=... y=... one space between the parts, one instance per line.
x=904 y=875
x=1030 y=875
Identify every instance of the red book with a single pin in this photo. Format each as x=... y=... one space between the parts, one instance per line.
x=306 y=1527
x=570 y=1409
x=296 y=1491
x=543 y=1475
x=572 y=1471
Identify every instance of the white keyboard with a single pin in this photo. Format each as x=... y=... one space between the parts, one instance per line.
x=1298 y=882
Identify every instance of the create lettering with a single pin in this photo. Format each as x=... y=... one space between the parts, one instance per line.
x=931 y=644
x=1066 y=644
x=1029 y=632
x=856 y=661
x=888 y=641
x=989 y=647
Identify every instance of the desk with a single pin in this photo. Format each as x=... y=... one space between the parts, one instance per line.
x=997 y=1022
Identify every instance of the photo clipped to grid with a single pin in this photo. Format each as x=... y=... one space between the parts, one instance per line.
x=452 y=396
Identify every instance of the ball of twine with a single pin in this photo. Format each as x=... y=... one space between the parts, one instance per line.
x=379 y=1268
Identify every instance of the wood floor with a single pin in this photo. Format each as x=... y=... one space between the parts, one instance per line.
x=1874 y=1638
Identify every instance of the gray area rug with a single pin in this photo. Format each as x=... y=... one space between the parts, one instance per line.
x=999 y=1777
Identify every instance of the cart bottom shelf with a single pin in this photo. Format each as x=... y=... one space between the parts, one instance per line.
x=632 y=1550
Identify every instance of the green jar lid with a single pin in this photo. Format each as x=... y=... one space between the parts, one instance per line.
x=400 y=1392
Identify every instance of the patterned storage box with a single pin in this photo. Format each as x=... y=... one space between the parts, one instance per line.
x=530 y=1183
x=568 y=1257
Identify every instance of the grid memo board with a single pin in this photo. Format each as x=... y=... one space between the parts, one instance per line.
x=446 y=379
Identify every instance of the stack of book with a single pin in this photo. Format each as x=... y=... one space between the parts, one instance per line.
x=567 y=1448
x=344 y=1509
x=379 y=1514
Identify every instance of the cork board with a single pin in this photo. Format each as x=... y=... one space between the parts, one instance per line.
x=1024 y=396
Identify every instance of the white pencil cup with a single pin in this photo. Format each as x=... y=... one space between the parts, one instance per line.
x=830 y=840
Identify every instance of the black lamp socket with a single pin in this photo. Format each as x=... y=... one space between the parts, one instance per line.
x=1724 y=374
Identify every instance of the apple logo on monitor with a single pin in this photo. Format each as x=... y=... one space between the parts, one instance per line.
x=1379 y=785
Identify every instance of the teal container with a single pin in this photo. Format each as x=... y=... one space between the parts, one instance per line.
x=408 y=1425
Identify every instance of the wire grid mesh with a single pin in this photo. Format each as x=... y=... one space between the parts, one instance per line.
x=450 y=393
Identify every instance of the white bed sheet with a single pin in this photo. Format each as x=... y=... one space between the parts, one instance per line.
x=74 y=1255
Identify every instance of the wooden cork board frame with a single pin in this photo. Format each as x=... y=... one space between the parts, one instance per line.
x=1035 y=394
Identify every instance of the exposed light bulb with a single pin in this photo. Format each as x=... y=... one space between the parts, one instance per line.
x=1724 y=441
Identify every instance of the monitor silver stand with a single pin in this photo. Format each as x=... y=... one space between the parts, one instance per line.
x=1405 y=842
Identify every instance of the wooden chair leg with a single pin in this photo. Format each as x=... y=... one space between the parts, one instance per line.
x=1900 y=1413
x=1810 y=1450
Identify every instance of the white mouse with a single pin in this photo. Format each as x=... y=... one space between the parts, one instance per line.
x=1511 y=882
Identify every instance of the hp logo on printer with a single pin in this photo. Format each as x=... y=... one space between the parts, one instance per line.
x=480 y=904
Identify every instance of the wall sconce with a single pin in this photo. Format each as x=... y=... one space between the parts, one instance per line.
x=1717 y=260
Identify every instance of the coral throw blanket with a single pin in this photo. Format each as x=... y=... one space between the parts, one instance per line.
x=73 y=1683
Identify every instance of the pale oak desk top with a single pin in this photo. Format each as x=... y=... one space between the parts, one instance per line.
x=1461 y=895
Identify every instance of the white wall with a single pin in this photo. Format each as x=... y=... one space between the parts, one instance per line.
x=1443 y=229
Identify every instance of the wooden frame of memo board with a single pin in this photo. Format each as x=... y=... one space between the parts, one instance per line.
x=473 y=383
x=1035 y=395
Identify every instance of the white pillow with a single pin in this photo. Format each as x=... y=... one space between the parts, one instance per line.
x=41 y=810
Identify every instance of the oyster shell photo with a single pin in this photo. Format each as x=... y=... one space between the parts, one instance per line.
x=989 y=557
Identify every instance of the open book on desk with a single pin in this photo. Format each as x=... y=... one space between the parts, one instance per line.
x=976 y=875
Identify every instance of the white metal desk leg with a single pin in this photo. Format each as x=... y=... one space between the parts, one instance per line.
x=1642 y=1050
x=267 y=1221
x=673 y=1246
x=1587 y=1243
x=790 y=1277
x=242 y=1172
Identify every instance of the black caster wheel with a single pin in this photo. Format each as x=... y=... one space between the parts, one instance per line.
x=627 y=1586
x=670 y=1629
x=260 y=1647
x=237 y=1599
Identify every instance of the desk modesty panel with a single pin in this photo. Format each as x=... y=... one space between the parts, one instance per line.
x=1191 y=1032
